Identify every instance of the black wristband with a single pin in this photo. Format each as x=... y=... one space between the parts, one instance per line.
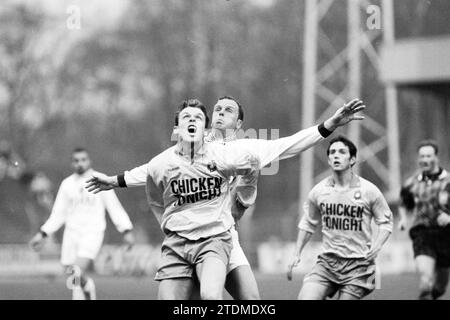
x=43 y=234
x=126 y=231
x=324 y=132
x=121 y=180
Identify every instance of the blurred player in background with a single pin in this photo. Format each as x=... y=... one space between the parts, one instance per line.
x=83 y=214
x=345 y=204
x=426 y=196
x=188 y=189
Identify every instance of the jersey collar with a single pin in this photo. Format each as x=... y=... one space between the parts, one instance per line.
x=441 y=174
x=211 y=137
x=354 y=183
x=200 y=152
x=84 y=175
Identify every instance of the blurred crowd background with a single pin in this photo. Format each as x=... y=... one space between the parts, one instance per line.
x=112 y=83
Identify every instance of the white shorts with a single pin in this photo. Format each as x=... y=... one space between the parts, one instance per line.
x=237 y=256
x=80 y=245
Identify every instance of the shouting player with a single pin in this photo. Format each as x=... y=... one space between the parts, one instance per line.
x=345 y=204
x=188 y=189
x=426 y=195
x=83 y=214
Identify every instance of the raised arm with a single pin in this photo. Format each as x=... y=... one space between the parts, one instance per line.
x=133 y=178
x=267 y=151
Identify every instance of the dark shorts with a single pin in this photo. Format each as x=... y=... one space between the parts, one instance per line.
x=349 y=275
x=179 y=255
x=433 y=242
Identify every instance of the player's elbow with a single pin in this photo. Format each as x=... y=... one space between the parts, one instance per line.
x=386 y=227
x=308 y=228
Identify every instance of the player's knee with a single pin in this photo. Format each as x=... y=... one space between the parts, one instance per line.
x=437 y=292
x=439 y=289
x=426 y=287
x=252 y=296
x=166 y=295
x=308 y=295
x=211 y=294
x=248 y=295
x=426 y=282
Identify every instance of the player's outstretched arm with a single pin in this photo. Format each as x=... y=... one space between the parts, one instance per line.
x=101 y=182
x=345 y=114
x=133 y=178
x=267 y=151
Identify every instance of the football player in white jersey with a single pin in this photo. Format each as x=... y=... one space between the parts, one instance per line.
x=227 y=119
x=83 y=215
x=188 y=190
x=346 y=204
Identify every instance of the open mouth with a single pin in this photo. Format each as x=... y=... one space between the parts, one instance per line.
x=336 y=163
x=424 y=165
x=192 y=128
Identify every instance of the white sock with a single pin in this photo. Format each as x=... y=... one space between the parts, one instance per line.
x=77 y=293
x=89 y=289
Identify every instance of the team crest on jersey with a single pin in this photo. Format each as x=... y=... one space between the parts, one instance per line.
x=357 y=195
x=212 y=166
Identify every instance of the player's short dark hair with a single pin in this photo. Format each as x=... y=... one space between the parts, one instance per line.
x=241 y=109
x=350 y=145
x=193 y=103
x=79 y=149
x=429 y=143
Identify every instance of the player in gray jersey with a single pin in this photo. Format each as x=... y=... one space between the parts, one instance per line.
x=197 y=225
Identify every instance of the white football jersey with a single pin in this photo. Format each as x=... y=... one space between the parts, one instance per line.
x=83 y=211
x=190 y=196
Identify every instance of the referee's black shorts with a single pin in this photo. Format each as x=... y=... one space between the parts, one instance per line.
x=433 y=242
